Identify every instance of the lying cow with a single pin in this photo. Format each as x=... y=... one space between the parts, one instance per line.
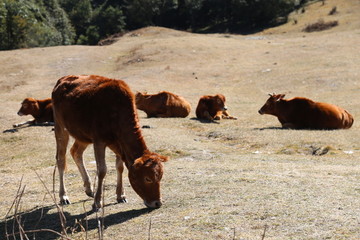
x=41 y=110
x=212 y=108
x=163 y=104
x=301 y=113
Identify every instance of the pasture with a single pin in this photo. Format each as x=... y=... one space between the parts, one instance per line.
x=235 y=179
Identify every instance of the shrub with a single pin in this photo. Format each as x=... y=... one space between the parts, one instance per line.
x=320 y=25
x=333 y=11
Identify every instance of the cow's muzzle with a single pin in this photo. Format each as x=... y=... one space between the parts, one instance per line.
x=153 y=204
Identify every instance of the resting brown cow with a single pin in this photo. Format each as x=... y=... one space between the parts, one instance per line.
x=302 y=113
x=41 y=110
x=163 y=104
x=212 y=108
x=101 y=111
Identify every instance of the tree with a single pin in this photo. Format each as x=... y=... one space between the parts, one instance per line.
x=29 y=24
x=80 y=13
x=142 y=13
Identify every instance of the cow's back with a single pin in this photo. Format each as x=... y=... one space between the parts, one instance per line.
x=178 y=106
x=163 y=104
x=93 y=107
x=332 y=117
x=305 y=113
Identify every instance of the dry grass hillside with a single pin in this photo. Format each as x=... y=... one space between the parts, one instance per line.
x=243 y=179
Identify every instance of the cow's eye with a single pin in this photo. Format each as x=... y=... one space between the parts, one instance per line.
x=148 y=180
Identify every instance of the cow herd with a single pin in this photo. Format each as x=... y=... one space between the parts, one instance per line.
x=101 y=111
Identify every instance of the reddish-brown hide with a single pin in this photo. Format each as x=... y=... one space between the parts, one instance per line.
x=212 y=108
x=41 y=110
x=101 y=111
x=302 y=113
x=163 y=104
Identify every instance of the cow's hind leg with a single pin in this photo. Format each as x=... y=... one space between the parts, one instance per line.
x=77 y=153
x=62 y=139
x=208 y=116
x=120 y=193
x=99 y=150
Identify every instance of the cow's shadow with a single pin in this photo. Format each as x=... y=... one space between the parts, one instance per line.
x=16 y=129
x=40 y=224
x=293 y=129
x=204 y=120
x=271 y=128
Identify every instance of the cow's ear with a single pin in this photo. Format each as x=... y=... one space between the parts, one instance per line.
x=164 y=158
x=35 y=104
x=138 y=163
x=279 y=97
x=220 y=98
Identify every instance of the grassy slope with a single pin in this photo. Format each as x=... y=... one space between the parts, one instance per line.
x=224 y=180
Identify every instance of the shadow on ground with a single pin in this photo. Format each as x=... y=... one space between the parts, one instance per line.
x=40 y=224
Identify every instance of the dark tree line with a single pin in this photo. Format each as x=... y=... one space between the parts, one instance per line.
x=33 y=23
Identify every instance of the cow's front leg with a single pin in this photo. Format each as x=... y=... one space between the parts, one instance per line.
x=99 y=150
x=62 y=139
x=77 y=153
x=120 y=193
x=30 y=122
x=226 y=115
x=218 y=115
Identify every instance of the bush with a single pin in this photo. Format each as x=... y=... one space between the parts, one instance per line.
x=33 y=24
x=320 y=25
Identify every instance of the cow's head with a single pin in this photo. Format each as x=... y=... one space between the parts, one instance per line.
x=145 y=176
x=28 y=106
x=269 y=106
x=139 y=97
x=219 y=102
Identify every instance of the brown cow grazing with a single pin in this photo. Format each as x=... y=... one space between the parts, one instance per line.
x=303 y=113
x=163 y=104
x=212 y=108
x=41 y=110
x=101 y=111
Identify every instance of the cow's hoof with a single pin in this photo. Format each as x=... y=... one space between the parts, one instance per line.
x=96 y=207
x=65 y=201
x=90 y=193
x=122 y=200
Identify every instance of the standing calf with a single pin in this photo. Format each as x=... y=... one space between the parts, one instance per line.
x=212 y=108
x=41 y=110
x=163 y=104
x=301 y=113
x=101 y=111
